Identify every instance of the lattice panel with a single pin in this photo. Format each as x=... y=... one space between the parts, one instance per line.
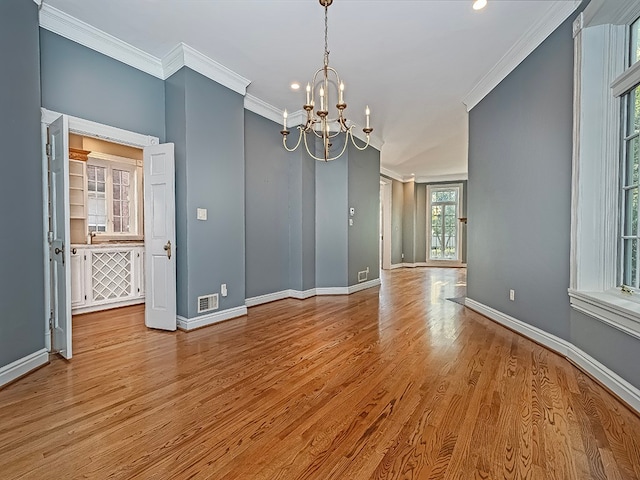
x=111 y=273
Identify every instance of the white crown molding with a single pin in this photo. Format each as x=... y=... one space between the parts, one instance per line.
x=526 y=44
x=23 y=365
x=619 y=12
x=391 y=174
x=453 y=177
x=618 y=385
x=98 y=130
x=38 y=2
x=185 y=56
x=80 y=32
x=205 y=320
x=262 y=108
x=299 y=117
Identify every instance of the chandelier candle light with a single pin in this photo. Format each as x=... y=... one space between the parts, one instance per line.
x=319 y=123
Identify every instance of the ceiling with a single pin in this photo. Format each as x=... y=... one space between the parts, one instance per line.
x=412 y=61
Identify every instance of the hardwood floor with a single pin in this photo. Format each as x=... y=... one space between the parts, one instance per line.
x=387 y=383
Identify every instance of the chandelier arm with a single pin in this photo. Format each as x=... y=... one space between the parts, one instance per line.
x=350 y=132
x=284 y=140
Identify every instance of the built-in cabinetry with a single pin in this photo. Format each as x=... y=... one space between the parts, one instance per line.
x=78 y=195
x=106 y=276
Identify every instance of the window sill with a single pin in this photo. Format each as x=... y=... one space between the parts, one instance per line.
x=619 y=310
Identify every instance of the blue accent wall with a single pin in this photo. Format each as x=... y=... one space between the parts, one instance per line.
x=22 y=311
x=83 y=83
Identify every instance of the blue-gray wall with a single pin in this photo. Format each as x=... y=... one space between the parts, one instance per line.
x=409 y=222
x=520 y=141
x=211 y=175
x=332 y=217
x=267 y=215
x=22 y=319
x=397 y=209
x=364 y=195
x=83 y=83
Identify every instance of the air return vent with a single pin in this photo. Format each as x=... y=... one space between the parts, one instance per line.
x=207 y=303
x=362 y=276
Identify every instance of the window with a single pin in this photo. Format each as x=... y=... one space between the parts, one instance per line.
x=112 y=195
x=444 y=240
x=629 y=272
x=605 y=236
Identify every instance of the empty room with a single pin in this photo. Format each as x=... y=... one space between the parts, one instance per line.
x=320 y=239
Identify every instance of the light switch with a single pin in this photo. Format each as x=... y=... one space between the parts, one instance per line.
x=202 y=214
x=351 y=222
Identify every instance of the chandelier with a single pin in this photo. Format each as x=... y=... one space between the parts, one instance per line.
x=319 y=124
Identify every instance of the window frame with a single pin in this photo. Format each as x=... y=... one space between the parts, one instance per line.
x=601 y=43
x=134 y=167
x=460 y=192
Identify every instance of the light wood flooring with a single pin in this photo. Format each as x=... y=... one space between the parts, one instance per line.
x=390 y=383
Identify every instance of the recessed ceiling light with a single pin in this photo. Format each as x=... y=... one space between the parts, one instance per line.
x=296 y=85
x=479 y=4
x=413 y=174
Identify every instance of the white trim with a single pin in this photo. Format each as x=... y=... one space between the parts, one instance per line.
x=204 y=320
x=302 y=294
x=618 y=385
x=65 y=25
x=363 y=286
x=619 y=12
x=88 y=128
x=626 y=81
x=454 y=177
x=391 y=174
x=38 y=2
x=182 y=55
x=386 y=201
x=22 y=366
x=107 y=306
x=520 y=50
x=612 y=308
x=269 y=297
x=312 y=292
x=262 y=108
x=396 y=265
x=107 y=157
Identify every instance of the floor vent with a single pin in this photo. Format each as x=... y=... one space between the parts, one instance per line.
x=207 y=303
x=362 y=276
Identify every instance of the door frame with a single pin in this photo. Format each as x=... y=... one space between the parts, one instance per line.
x=85 y=128
x=444 y=186
x=385 y=186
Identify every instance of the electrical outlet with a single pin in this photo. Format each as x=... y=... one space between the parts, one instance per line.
x=512 y=295
x=403 y=256
x=201 y=213
x=223 y=289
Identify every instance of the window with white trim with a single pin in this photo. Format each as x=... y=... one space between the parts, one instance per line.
x=605 y=179
x=112 y=197
x=443 y=232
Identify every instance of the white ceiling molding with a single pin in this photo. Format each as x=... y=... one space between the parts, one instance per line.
x=620 y=12
x=80 y=32
x=185 y=56
x=529 y=41
x=262 y=108
x=454 y=177
x=391 y=174
x=38 y=2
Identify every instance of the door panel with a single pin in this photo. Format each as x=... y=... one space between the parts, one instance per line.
x=160 y=237
x=60 y=251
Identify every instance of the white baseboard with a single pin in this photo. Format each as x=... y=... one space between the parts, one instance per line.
x=107 y=306
x=364 y=285
x=302 y=294
x=397 y=265
x=312 y=292
x=614 y=382
x=22 y=366
x=269 y=297
x=204 y=320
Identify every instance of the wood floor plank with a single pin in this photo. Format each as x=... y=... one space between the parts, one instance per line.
x=388 y=383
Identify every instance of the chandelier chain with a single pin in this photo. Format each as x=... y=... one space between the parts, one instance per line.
x=326 y=35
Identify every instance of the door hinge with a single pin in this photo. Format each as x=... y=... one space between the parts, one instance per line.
x=85 y=257
x=48 y=149
x=85 y=297
x=51 y=322
x=50 y=237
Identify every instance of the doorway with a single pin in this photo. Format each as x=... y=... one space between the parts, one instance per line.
x=385 y=223
x=92 y=197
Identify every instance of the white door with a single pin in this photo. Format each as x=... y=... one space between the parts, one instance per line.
x=159 y=237
x=59 y=248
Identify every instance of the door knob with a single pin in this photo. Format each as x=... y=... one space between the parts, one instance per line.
x=167 y=248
